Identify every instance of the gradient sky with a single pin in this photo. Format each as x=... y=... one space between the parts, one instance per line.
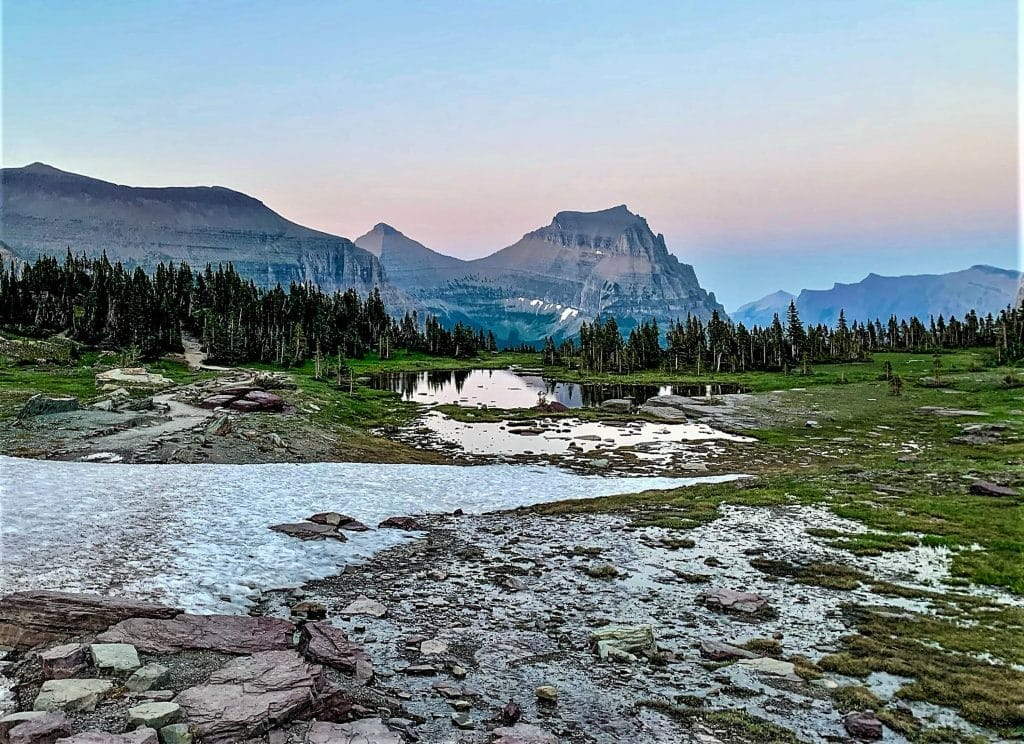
x=776 y=144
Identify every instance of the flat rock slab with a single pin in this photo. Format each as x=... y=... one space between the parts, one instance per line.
x=323 y=643
x=71 y=694
x=664 y=413
x=251 y=695
x=147 y=678
x=35 y=618
x=367 y=731
x=987 y=488
x=523 y=733
x=950 y=412
x=138 y=736
x=34 y=727
x=310 y=531
x=768 y=665
x=365 y=606
x=401 y=523
x=724 y=651
x=622 y=643
x=229 y=634
x=730 y=600
x=154 y=715
x=120 y=658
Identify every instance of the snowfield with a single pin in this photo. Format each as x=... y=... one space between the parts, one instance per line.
x=198 y=535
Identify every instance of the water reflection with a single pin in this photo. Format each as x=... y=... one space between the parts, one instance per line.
x=502 y=388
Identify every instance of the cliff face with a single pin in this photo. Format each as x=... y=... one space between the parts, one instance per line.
x=44 y=211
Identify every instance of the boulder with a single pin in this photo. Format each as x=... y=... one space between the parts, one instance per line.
x=176 y=733
x=768 y=665
x=13 y=719
x=547 y=693
x=310 y=531
x=217 y=401
x=46 y=405
x=250 y=695
x=401 y=523
x=621 y=643
x=664 y=413
x=61 y=662
x=367 y=731
x=119 y=658
x=618 y=405
x=365 y=606
x=522 y=733
x=987 y=488
x=309 y=611
x=154 y=715
x=228 y=634
x=730 y=600
x=45 y=728
x=266 y=401
x=71 y=694
x=147 y=678
x=325 y=644
x=341 y=521
x=34 y=618
x=723 y=651
x=244 y=406
x=863 y=725
x=138 y=736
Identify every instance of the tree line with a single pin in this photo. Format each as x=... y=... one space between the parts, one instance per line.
x=721 y=345
x=108 y=305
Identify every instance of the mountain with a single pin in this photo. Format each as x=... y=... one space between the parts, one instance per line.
x=44 y=210
x=410 y=264
x=754 y=313
x=985 y=289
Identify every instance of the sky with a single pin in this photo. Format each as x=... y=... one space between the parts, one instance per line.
x=777 y=145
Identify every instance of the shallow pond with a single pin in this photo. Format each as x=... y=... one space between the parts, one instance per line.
x=504 y=388
x=198 y=535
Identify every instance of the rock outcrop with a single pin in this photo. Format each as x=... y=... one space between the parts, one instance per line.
x=229 y=634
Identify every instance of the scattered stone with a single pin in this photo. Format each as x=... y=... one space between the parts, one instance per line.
x=229 y=634
x=309 y=610
x=949 y=412
x=729 y=600
x=45 y=405
x=618 y=643
x=323 y=643
x=35 y=618
x=154 y=715
x=812 y=424
x=176 y=733
x=363 y=605
x=547 y=693
x=424 y=670
x=367 y=731
x=120 y=658
x=402 y=523
x=768 y=665
x=462 y=720
x=310 y=531
x=433 y=647
x=863 y=725
x=250 y=695
x=138 y=736
x=133 y=376
x=987 y=488
x=61 y=662
x=511 y=714
x=523 y=733
x=220 y=427
x=71 y=695
x=34 y=727
x=148 y=677
x=459 y=672
x=724 y=651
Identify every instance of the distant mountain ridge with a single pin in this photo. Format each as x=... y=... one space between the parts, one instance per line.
x=985 y=289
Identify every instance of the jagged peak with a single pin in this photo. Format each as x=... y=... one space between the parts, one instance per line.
x=607 y=222
x=383 y=228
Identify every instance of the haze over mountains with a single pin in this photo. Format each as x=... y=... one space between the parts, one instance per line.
x=581 y=266
x=985 y=289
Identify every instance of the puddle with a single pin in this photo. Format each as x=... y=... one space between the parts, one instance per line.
x=504 y=388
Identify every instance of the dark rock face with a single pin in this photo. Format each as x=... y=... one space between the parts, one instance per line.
x=251 y=695
x=229 y=634
x=30 y=619
x=323 y=643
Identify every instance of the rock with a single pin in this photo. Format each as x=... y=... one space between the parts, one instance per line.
x=522 y=733
x=309 y=610
x=133 y=376
x=462 y=720
x=433 y=647
x=220 y=427
x=729 y=600
x=618 y=643
x=120 y=658
x=664 y=413
x=325 y=644
x=812 y=424
x=45 y=405
x=950 y=412
x=264 y=400
x=61 y=662
x=510 y=714
x=229 y=634
x=244 y=406
x=421 y=670
x=310 y=531
x=138 y=736
x=363 y=605
x=217 y=401
x=367 y=731
x=987 y=488
x=459 y=672
x=768 y=665
x=331 y=518
x=157 y=696
x=34 y=727
x=154 y=715
x=275 y=440
x=71 y=694
x=250 y=695
x=547 y=693
x=34 y=618
x=617 y=405
x=148 y=677
x=176 y=733
x=724 y=651
x=401 y=523
x=863 y=725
